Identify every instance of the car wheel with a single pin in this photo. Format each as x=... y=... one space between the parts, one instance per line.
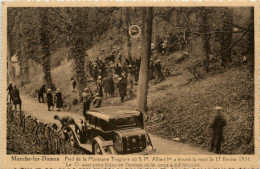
x=97 y=149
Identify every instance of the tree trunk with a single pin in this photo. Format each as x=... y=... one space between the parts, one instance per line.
x=78 y=53
x=9 y=62
x=128 y=42
x=46 y=58
x=26 y=73
x=206 y=46
x=78 y=48
x=251 y=38
x=226 y=38
x=142 y=90
x=24 y=66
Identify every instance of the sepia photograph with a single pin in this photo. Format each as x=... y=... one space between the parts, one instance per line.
x=130 y=81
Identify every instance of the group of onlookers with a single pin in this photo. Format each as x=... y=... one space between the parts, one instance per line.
x=57 y=99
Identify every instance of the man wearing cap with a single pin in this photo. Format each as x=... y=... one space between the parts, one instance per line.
x=86 y=99
x=49 y=100
x=64 y=120
x=219 y=122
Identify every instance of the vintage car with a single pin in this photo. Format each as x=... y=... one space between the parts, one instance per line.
x=111 y=130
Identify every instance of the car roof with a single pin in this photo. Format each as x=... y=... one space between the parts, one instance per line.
x=112 y=112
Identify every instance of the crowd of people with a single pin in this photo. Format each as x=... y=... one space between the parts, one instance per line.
x=114 y=77
x=170 y=42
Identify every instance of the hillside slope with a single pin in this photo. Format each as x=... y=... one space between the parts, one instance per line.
x=188 y=106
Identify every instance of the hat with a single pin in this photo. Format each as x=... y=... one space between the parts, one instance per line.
x=49 y=90
x=218 y=108
x=119 y=78
x=99 y=77
x=57 y=90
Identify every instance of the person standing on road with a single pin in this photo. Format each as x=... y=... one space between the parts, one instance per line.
x=15 y=95
x=40 y=93
x=122 y=89
x=219 y=122
x=74 y=83
x=115 y=80
x=10 y=89
x=99 y=86
x=86 y=99
x=58 y=99
x=49 y=100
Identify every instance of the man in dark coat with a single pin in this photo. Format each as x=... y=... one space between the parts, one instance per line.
x=86 y=99
x=122 y=88
x=106 y=84
x=219 y=122
x=10 y=89
x=40 y=93
x=58 y=99
x=49 y=100
x=158 y=70
x=16 y=98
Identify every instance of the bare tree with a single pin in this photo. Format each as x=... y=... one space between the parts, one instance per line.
x=205 y=12
x=142 y=90
x=45 y=47
x=226 y=38
x=126 y=23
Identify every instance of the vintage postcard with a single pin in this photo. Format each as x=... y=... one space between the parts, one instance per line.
x=130 y=85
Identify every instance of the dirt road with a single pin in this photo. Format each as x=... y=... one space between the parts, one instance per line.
x=163 y=146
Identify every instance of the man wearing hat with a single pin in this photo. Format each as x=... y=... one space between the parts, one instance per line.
x=49 y=100
x=86 y=99
x=219 y=122
x=58 y=99
x=16 y=98
x=10 y=89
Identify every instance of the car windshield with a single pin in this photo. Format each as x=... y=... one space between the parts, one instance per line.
x=127 y=121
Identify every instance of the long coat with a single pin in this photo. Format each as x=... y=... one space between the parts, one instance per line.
x=122 y=88
x=59 y=101
x=16 y=96
x=49 y=99
x=108 y=85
